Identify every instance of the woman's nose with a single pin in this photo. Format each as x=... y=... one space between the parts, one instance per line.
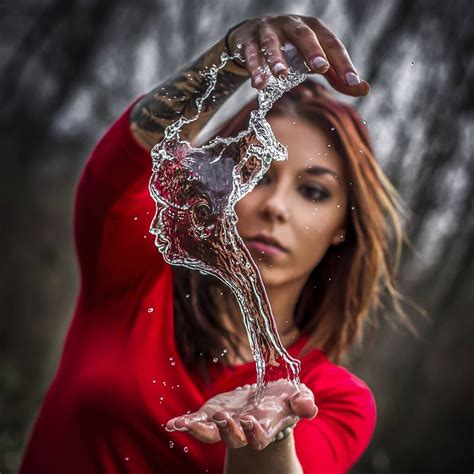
x=274 y=207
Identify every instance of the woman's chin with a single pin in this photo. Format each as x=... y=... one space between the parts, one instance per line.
x=269 y=273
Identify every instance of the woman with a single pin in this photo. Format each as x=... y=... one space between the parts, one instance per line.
x=132 y=394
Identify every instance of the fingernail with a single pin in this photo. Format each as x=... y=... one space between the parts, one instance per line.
x=278 y=67
x=352 y=79
x=247 y=424
x=258 y=80
x=319 y=63
x=220 y=423
x=180 y=429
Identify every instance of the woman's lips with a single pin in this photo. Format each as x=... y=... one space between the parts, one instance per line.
x=264 y=248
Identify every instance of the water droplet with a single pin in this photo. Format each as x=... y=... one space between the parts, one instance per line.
x=333 y=128
x=164 y=383
x=239 y=45
x=353 y=208
x=187 y=295
x=329 y=145
x=150 y=310
x=154 y=381
x=185 y=449
x=127 y=459
x=135 y=218
x=412 y=63
x=215 y=360
x=171 y=444
x=162 y=398
x=365 y=122
x=144 y=236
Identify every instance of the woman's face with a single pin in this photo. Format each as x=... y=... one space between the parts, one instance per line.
x=303 y=210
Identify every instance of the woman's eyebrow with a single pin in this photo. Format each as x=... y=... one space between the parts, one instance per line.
x=318 y=170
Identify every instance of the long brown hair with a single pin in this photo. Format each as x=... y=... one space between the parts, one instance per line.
x=345 y=290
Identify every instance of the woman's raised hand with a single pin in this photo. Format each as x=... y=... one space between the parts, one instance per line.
x=261 y=40
x=233 y=417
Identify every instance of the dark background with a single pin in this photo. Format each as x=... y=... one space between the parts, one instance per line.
x=68 y=68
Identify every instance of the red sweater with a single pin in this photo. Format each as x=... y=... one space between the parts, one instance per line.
x=120 y=377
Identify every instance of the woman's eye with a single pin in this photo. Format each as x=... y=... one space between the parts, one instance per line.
x=314 y=193
x=311 y=192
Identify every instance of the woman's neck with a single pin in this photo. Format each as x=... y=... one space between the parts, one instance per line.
x=283 y=302
x=288 y=333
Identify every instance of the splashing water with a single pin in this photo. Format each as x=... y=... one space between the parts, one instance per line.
x=195 y=190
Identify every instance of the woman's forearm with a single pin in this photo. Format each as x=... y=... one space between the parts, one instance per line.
x=276 y=458
x=176 y=96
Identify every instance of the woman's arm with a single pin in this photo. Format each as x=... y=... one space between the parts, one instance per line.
x=276 y=458
x=176 y=97
x=261 y=40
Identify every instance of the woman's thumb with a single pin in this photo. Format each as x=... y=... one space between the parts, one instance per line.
x=303 y=405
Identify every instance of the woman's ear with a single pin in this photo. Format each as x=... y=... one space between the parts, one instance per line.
x=339 y=237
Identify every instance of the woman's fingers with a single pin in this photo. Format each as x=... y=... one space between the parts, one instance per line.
x=255 y=63
x=342 y=74
x=196 y=425
x=270 y=46
x=257 y=438
x=176 y=424
x=303 y=405
x=320 y=48
x=229 y=430
x=305 y=39
x=356 y=90
x=206 y=432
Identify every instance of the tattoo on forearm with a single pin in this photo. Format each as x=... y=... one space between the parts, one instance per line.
x=177 y=96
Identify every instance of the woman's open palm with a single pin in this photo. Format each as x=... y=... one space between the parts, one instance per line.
x=234 y=418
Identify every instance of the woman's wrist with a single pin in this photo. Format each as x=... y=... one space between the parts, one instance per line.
x=276 y=458
x=159 y=108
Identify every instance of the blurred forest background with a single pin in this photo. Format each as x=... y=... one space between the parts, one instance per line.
x=68 y=68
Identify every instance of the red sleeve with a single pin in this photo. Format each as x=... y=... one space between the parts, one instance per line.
x=113 y=213
x=335 y=439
